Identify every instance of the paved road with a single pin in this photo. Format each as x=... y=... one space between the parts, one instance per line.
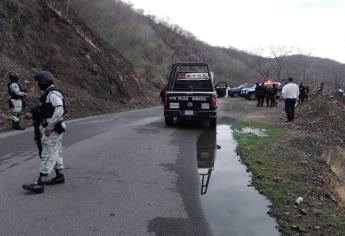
x=126 y=175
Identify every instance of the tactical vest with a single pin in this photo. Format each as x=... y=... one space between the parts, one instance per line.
x=46 y=108
x=12 y=94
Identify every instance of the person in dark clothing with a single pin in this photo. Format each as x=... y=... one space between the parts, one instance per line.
x=307 y=93
x=268 y=95
x=262 y=94
x=162 y=94
x=302 y=93
x=257 y=94
x=274 y=95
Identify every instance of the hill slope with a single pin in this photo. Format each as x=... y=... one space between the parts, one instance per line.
x=59 y=35
x=35 y=36
x=152 y=45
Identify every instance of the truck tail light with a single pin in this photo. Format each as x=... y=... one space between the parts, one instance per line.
x=213 y=103
x=165 y=100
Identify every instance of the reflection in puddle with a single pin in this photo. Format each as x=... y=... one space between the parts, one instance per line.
x=230 y=206
x=206 y=154
x=255 y=131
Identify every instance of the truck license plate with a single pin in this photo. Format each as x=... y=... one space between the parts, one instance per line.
x=188 y=113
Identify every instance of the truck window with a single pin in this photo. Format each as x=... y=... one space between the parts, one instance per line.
x=193 y=82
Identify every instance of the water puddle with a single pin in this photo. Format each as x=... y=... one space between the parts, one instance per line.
x=230 y=205
x=254 y=131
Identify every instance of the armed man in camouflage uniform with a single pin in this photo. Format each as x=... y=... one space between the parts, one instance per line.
x=17 y=95
x=52 y=109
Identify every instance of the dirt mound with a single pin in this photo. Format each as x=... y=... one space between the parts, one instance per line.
x=322 y=121
x=323 y=115
x=34 y=35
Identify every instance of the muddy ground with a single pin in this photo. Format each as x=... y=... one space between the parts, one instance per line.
x=301 y=159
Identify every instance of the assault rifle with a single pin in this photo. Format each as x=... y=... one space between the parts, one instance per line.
x=36 y=122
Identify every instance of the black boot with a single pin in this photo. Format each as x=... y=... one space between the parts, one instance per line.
x=17 y=126
x=38 y=186
x=58 y=179
x=35 y=187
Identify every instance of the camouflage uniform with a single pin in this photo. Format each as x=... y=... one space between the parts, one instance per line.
x=51 y=113
x=16 y=101
x=52 y=146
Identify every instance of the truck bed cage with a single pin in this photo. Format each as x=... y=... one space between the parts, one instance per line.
x=177 y=68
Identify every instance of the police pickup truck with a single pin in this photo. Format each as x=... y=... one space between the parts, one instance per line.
x=190 y=94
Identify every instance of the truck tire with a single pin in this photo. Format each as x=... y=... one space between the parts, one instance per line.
x=213 y=122
x=169 y=120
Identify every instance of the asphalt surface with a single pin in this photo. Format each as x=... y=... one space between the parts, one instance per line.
x=126 y=174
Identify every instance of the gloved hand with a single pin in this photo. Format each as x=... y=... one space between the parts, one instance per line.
x=47 y=132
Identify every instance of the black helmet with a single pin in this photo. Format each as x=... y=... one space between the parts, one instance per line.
x=44 y=76
x=13 y=76
x=44 y=79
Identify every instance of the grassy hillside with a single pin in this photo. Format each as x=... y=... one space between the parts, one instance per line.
x=152 y=45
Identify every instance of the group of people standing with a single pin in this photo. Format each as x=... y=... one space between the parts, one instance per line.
x=267 y=92
x=49 y=126
x=291 y=93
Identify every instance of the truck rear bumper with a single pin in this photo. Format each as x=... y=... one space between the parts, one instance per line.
x=196 y=114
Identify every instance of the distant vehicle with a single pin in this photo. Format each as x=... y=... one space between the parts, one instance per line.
x=249 y=93
x=236 y=91
x=190 y=94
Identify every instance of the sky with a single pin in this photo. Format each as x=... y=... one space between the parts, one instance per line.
x=310 y=26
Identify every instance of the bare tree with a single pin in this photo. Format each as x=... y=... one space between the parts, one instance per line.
x=280 y=55
x=307 y=63
x=263 y=67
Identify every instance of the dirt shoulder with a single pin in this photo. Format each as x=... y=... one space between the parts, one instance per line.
x=303 y=159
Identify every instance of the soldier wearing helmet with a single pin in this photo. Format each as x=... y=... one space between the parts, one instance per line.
x=52 y=109
x=17 y=95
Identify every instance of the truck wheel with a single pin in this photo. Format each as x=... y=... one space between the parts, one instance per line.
x=213 y=122
x=169 y=120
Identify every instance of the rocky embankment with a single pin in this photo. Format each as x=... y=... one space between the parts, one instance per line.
x=34 y=35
